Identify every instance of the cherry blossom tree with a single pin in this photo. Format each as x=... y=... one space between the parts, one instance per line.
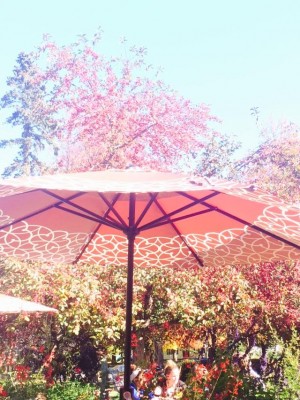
x=103 y=111
x=115 y=115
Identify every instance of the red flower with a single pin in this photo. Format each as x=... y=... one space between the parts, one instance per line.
x=219 y=396
x=134 y=340
x=48 y=373
x=200 y=370
x=22 y=372
x=148 y=375
x=3 y=392
x=166 y=325
x=41 y=349
x=223 y=365
x=235 y=390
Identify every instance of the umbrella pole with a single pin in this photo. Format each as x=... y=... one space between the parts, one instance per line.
x=131 y=233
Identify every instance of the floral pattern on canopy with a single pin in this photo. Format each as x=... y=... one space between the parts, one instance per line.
x=181 y=220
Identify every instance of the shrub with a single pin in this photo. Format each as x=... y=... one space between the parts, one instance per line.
x=72 y=391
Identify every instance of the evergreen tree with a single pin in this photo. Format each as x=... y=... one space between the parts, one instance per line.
x=33 y=112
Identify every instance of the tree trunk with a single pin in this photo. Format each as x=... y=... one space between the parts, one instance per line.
x=158 y=353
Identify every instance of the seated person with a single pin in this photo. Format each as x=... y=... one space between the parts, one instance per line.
x=171 y=383
x=137 y=383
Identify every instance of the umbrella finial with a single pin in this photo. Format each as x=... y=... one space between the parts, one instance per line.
x=133 y=167
x=251 y=188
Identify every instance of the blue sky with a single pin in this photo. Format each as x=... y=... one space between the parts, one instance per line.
x=232 y=55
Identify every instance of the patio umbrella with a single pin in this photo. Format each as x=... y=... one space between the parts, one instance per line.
x=143 y=218
x=15 y=305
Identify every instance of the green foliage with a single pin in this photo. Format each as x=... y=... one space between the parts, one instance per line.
x=215 y=158
x=21 y=384
x=35 y=385
x=275 y=165
x=22 y=390
x=71 y=391
x=33 y=112
x=220 y=307
x=227 y=378
x=291 y=362
x=284 y=377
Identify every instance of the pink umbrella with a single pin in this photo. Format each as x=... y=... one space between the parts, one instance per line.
x=15 y=305
x=143 y=218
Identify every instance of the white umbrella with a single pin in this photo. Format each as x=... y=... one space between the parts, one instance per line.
x=15 y=305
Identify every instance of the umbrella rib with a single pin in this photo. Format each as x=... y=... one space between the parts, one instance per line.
x=171 y=222
x=255 y=227
x=190 y=197
x=94 y=233
x=24 y=217
x=247 y=223
x=111 y=208
x=98 y=218
x=162 y=220
x=153 y=197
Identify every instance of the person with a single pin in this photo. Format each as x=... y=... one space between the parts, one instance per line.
x=137 y=383
x=41 y=396
x=171 y=384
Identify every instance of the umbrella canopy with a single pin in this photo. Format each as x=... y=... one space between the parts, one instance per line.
x=147 y=218
x=15 y=305
x=84 y=217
